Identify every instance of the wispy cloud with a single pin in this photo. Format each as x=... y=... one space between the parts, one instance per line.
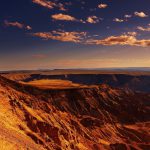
x=129 y=38
x=17 y=24
x=45 y=3
x=64 y=36
x=121 y=40
x=50 y=5
x=143 y=28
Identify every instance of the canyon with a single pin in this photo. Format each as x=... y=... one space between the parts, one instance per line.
x=136 y=81
x=87 y=112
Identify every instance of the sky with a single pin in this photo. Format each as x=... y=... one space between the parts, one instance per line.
x=56 y=34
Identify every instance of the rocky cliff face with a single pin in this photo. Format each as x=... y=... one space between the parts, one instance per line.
x=73 y=119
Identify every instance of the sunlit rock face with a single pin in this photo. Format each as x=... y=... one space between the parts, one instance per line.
x=81 y=118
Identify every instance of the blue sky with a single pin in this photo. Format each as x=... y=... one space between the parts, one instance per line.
x=74 y=34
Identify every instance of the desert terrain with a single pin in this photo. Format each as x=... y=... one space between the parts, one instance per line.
x=75 y=75
x=87 y=111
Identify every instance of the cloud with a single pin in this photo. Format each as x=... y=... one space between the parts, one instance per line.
x=132 y=33
x=102 y=6
x=61 y=7
x=120 y=40
x=13 y=24
x=17 y=24
x=76 y=37
x=92 y=19
x=118 y=20
x=127 y=16
x=140 y=14
x=81 y=37
x=82 y=21
x=63 y=17
x=129 y=38
x=50 y=4
x=143 y=29
x=45 y=3
x=28 y=27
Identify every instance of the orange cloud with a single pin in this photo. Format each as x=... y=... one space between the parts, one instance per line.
x=140 y=14
x=50 y=4
x=120 y=40
x=63 y=17
x=102 y=6
x=16 y=24
x=80 y=37
x=92 y=19
x=128 y=38
x=45 y=3
x=76 y=37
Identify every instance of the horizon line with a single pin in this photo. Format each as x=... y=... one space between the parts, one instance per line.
x=90 y=69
